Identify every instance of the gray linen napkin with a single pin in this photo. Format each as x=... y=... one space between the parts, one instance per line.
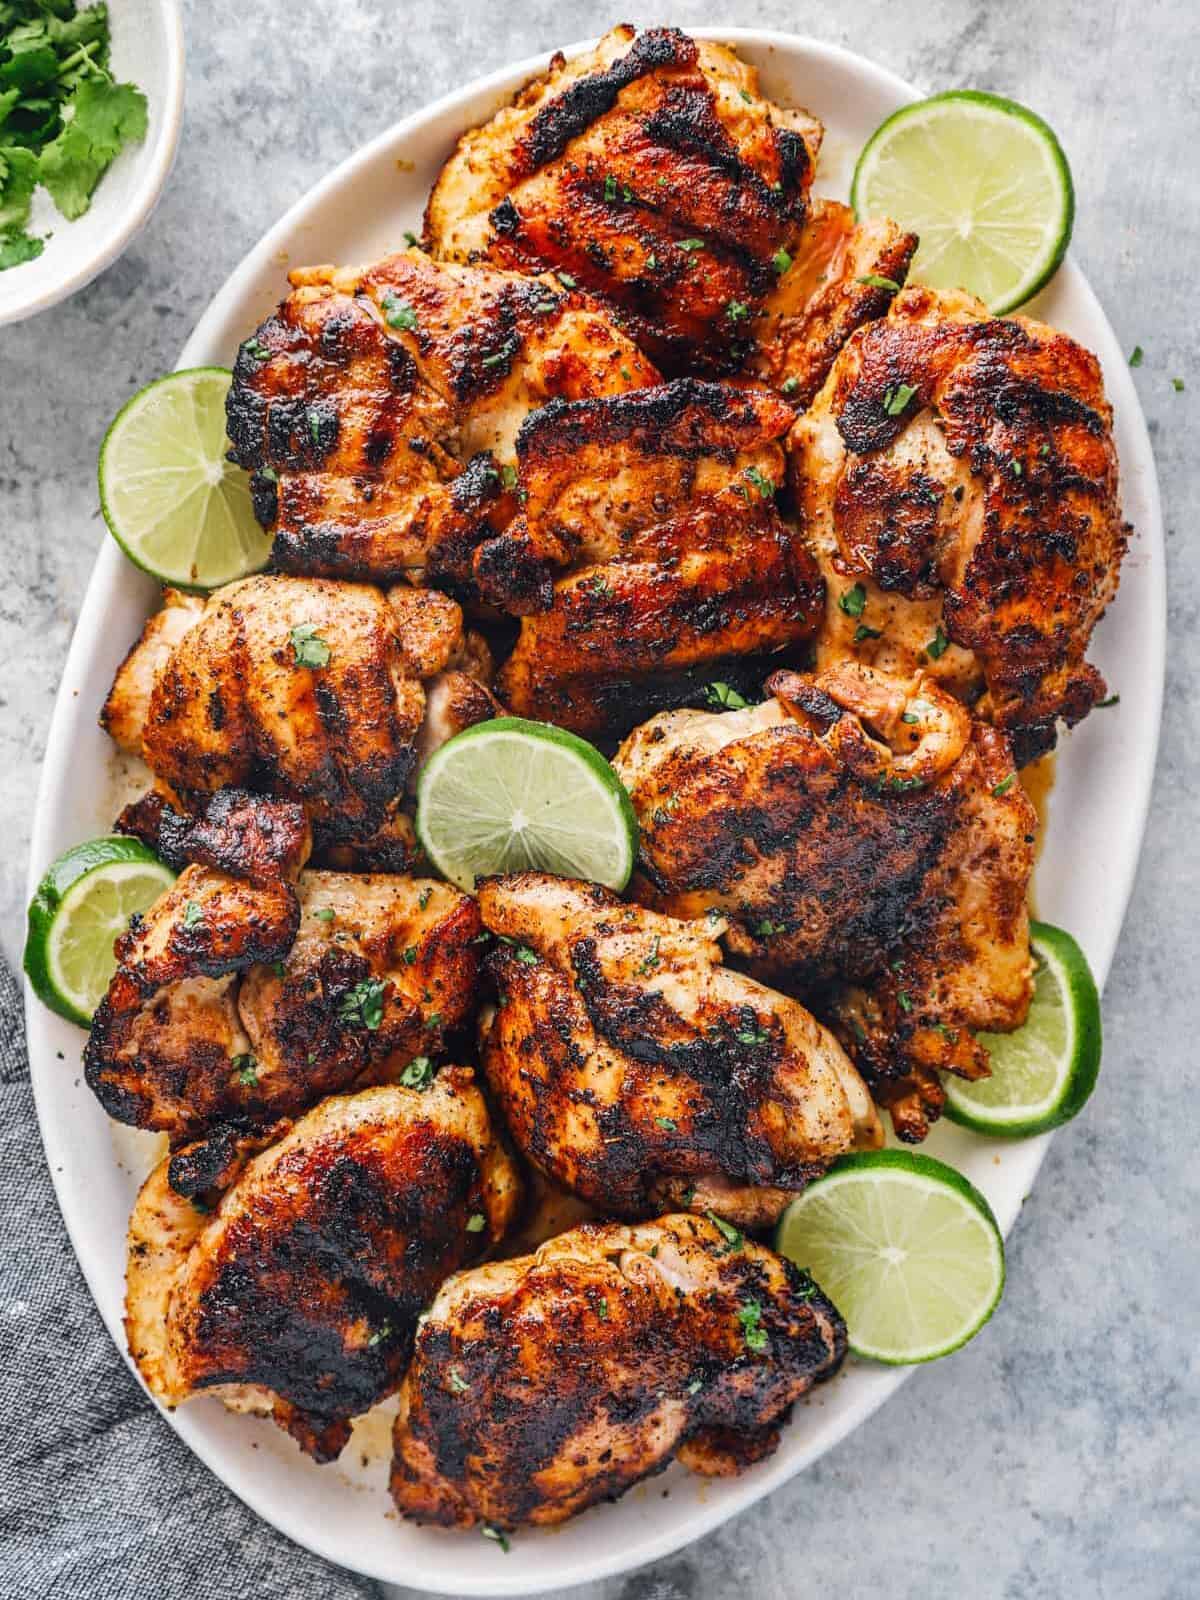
x=98 y=1498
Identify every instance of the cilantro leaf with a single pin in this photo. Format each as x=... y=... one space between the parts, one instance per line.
x=102 y=117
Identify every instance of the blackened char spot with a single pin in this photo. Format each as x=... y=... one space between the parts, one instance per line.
x=571 y=113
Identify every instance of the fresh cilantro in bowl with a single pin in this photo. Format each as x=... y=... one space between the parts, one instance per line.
x=63 y=118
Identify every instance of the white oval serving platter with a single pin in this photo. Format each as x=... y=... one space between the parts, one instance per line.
x=1097 y=814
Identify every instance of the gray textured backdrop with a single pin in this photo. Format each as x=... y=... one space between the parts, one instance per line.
x=1057 y=1456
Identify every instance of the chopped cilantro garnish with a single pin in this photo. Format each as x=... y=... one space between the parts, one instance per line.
x=781 y=261
x=732 y=1236
x=875 y=280
x=418 y=1074
x=764 y=485
x=895 y=400
x=789 y=385
x=691 y=244
x=498 y=1535
x=458 y=1384
x=193 y=915
x=863 y=632
x=652 y=959
x=724 y=694
x=750 y=1317
x=852 y=601
x=246 y=1068
x=938 y=645
x=398 y=313
x=476 y=1222
x=1136 y=356
x=363 y=1005
x=668 y=1124
x=309 y=648
x=737 y=311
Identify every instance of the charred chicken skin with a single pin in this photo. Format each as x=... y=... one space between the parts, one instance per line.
x=298 y=1286
x=957 y=480
x=544 y=1384
x=237 y=1004
x=652 y=172
x=843 y=274
x=662 y=504
x=302 y=688
x=377 y=409
x=638 y=1072
x=866 y=842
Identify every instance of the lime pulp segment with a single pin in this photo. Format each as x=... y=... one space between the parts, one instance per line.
x=174 y=503
x=511 y=795
x=983 y=182
x=905 y=1247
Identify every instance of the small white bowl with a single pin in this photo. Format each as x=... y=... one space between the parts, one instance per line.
x=147 y=49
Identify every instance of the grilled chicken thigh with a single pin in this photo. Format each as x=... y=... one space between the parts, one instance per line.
x=638 y=1072
x=376 y=406
x=301 y=1291
x=843 y=274
x=662 y=502
x=544 y=1384
x=297 y=687
x=238 y=1003
x=957 y=481
x=864 y=840
x=653 y=172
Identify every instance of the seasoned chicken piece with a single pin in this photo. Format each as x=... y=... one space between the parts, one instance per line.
x=125 y=710
x=637 y=1071
x=865 y=841
x=231 y=829
x=544 y=1384
x=375 y=407
x=957 y=482
x=843 y=274
x=300 y=1292
x=663 y=503
x=240 y=1004
x=652 y=171
x=301 y=688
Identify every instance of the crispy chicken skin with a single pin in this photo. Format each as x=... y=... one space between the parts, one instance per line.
x=662 y=503
x=375 y=407
x=654 y=173
x=303 y=688
x=867 y=843
x=544 y=1384
x=634 y=1069
x=843 y=274
x=303 y=1287
x=960 y=468
x=239 y=1004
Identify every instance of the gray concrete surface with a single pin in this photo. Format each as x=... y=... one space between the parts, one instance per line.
x=1056 y=1457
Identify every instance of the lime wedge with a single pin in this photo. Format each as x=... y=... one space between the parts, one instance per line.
x=511 y=795
x=82 y=904
x=983 y=182
x=1043 y=1073
x=905 y=1247
x=172 y=501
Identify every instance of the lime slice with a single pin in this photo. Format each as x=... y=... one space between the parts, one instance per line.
x=172 y=501
x=509 y=795
x=82 y=904
x=1043 y=1073
x=985 y=184
x=905 y=1247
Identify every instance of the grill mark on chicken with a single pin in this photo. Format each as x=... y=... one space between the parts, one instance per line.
x=307 y=1282
x=653 y=172
x=623 y=1055
x=234 y=1004
x=542 y=1385
x=374 y=407
x=984 y=503
x=232 y=830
